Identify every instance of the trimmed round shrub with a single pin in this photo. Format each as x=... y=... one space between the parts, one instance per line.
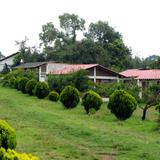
x=10 y=154
x=30 y=86
x=53 y=96
x=122 y=104
x=70 y=97
x=12 y=80
x=91 y=101
x=22 y=84
x=16 y=82
x=7 y=136
x=41 y=90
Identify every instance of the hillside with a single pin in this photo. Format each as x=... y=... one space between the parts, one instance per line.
x=49 y=131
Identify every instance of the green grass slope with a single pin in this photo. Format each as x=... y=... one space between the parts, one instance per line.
x=49 y=131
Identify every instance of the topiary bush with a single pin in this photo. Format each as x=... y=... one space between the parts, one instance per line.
x=22 y=84
x=122 y=104
x=53 y=96
x=12 y=80
x=16 y=82
x=91 y=100
x=41 y=90
x=30 y=86
x=7 y=136
x=13 y=155
x=70 y=97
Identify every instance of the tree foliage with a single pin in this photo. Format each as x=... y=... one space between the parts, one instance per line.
x=41 y=90
x=30 y=86
x=48 y=34
x=150 y=98
x=71 y=23
x=102 y=32
x=53 y=96
x=77 y=79
x=122 y=104
x=91 y=100
x=7 y=136
x=11 y=154
x=100 y=43
x=27 y=54
x=70 y=97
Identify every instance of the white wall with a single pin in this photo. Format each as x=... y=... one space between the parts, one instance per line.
x=8 y=61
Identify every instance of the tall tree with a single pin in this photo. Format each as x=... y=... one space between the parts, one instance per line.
x=102 y=32
x=137 y=62
x=27 y=54
x=24 y=52
x=155 y=64
x=102 y=44
x=49 y=34
x=120 y=54
x=91 y=52
x=71 y=23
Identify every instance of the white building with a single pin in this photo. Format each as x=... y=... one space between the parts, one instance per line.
x=7 y=60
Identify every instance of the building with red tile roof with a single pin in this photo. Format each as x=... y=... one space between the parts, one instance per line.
x=144 y=77
x=96 y=72
x=142 y=74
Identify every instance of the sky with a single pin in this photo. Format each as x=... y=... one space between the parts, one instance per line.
x=137 y=20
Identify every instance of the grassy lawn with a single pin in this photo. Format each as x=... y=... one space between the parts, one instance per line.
x=49 y=131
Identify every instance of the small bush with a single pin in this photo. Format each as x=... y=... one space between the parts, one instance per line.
x=18 y=73
x=16 y=82
x=69 y=97
x=22 y=84
x=122 y=104
x=77 y=79
x=7 y=136
x=6 y=80
x=41 y=90
x=91 y=101
x=13 y=155
x=54 y=96
x=12 y=80
x=30 y=86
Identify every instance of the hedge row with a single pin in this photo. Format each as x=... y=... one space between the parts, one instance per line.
x=69 y=96
x=121 y=103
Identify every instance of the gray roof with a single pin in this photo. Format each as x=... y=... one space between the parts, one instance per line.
x=30 y=65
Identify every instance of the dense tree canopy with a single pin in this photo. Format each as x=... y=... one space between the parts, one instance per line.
x=48 y=34
x=102 y=33
x=71 y=23
x=101 y=43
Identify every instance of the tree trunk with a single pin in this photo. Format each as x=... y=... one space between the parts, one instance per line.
x=144 y=113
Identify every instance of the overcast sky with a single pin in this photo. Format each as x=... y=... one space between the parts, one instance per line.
x=137 y=20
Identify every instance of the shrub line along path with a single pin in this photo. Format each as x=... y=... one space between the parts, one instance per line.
x=49 y=131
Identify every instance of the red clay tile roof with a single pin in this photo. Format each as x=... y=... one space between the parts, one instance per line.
x=142 y=74
x=73 y=68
